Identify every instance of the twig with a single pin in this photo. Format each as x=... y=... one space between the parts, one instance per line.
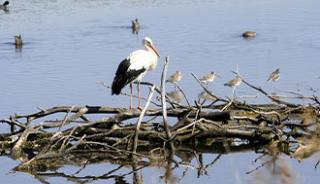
x=163 y=99
x=65 y=118
x=184 y=95
x=316 y=165
x=168 y=99
x=126 y=94
x=135 y=143
x=16 y=150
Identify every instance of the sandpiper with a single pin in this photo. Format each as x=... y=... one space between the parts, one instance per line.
x=210 y=77
x=234 y=82
x=274 y=76
x=249 y=34
x=174 y=78
x=18 y=41
x=135 y=26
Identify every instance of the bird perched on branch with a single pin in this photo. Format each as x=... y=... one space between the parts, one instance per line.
x=174 y=78
x=135 y=67
x=274 y=76
x=5 y=6
x=210 y=77
x=234 y=82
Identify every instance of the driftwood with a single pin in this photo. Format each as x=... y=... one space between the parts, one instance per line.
x=78 y=135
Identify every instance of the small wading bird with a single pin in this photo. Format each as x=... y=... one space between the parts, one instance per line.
x=174 y=78
x=274 y=76
x=5 y=6
x=18 y=41
x=134 y=68
x=135 y=26
x=210 y=77
x=234 y=83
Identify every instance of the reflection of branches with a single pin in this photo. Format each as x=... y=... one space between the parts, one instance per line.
x=85 y=179
x=316 y=165
x=213 y=162
x=259 y=166
x=82 y=167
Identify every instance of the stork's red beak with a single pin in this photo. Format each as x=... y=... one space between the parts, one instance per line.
x=155 y=50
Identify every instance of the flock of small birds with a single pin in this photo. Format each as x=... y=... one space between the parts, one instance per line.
x=209 y=78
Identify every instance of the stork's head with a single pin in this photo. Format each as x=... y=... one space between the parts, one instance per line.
x=148 y=44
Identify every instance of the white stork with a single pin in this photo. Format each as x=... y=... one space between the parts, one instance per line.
x=135 y=67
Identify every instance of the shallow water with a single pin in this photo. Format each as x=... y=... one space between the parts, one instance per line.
x=70 y=45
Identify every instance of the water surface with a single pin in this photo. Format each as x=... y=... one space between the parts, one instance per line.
x=70 y=45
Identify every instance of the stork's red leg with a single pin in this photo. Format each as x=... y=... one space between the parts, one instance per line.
x=139 y=106
x=130 y=96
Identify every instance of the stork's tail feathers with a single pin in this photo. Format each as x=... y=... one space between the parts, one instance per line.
x=118 y=83
x=122 y=79
x=124 y=76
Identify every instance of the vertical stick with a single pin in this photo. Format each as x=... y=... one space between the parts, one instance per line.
x=136 y=134
x=233 y=92
x=130 y=95
x=139 y=106
x=163 y=99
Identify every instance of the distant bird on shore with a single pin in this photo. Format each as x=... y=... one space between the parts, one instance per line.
x=249 y=34
x=5 y=6
x=274 y=76
x=210 y=77
x=234 y=82
x=174 y=78
x=135 y=26
x=18 y=41
x=135 y=67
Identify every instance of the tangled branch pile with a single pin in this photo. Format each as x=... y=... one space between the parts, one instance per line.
x=41 y=143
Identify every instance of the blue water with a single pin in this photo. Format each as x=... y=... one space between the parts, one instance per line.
x=72 y=44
